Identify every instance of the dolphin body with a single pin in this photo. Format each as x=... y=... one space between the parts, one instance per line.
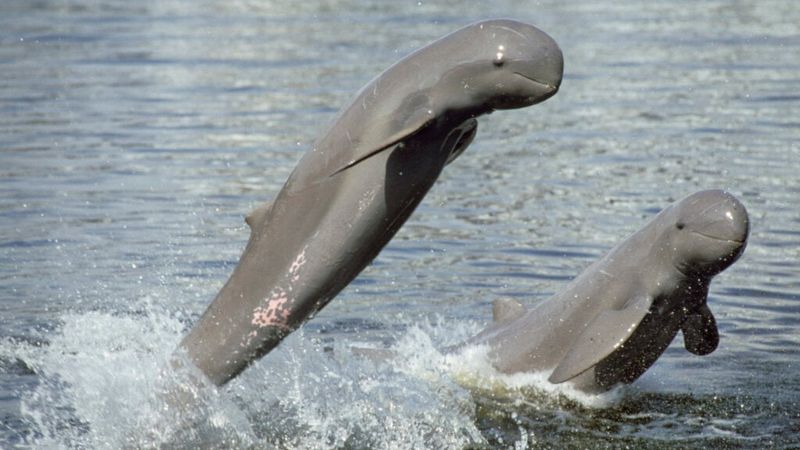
x=614 y=320
x=362 y=179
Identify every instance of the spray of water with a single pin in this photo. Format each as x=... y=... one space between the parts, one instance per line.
x=112 y=381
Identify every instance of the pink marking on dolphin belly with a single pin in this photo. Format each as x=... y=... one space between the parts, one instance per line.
x=277 y=307
x=299 y=262
x=274 y=312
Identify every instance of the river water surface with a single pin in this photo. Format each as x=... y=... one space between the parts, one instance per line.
x=135 y=136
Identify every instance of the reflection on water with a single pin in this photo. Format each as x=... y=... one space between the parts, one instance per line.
x=135 y=136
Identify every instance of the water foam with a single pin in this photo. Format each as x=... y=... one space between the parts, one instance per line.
x=105 y=381
x=471 y=367
x=101 y=384
x=329 y=398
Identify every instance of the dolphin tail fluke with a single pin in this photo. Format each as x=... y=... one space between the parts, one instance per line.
x=700 y=334
x=506 y=310
x=606 y=333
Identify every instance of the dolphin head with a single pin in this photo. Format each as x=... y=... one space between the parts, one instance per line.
x=707 y=232
x=500 y=64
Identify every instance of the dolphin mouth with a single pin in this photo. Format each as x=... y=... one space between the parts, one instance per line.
x=549 y=89
x=717 y=238
x=534 y=91
x=732 y=253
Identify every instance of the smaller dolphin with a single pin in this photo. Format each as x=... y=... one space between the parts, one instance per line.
x=616 y=318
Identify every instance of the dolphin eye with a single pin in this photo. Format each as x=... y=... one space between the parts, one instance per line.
x=680 y=225
x=500 y=56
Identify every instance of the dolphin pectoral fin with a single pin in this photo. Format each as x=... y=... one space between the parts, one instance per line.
x=459 y=139
x=606 y=333
x=385 y=133
x=506 y=310
x=258 y=216
x=700 y=334
x=390 y=143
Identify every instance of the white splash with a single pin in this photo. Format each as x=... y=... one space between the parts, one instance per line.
x=104 y=381
x=471 y=368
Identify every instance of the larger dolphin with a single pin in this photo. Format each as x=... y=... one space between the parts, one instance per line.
x=614 y=320
x=362 y=179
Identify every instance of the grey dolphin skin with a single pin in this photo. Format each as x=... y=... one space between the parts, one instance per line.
x=612 y=322
x=362 y=179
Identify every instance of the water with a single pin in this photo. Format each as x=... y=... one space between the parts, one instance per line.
x=135 y=136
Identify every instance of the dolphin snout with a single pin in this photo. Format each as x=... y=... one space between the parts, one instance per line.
x=726 y=219
x=737 y=219
x=717 y=215
x=546 y=68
